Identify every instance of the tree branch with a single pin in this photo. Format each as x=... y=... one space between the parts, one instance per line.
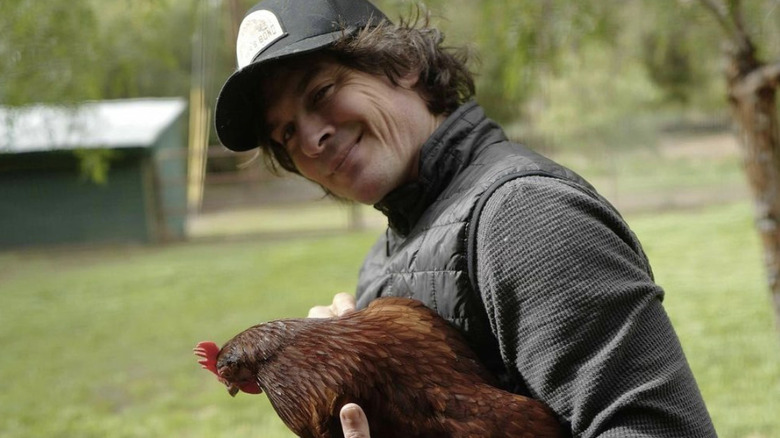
x=735 y=11
x=741 y=36
x=764 y=76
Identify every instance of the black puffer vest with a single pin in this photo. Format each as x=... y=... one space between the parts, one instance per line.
x=427 y=252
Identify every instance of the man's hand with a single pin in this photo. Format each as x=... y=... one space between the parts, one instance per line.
x=343 y=303
x=354 y=421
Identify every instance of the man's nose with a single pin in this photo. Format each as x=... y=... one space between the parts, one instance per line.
x=315 y=134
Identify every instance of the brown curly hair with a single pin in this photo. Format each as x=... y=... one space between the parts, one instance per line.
x=393 y=50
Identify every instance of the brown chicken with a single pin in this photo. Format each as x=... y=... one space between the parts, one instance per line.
x=410 y=371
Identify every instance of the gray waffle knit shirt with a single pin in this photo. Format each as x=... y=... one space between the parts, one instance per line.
x=578 y=319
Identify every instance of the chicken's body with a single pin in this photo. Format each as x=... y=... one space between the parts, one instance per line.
x=408 y=369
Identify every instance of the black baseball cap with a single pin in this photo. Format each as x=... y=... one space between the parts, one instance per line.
x=273 y=30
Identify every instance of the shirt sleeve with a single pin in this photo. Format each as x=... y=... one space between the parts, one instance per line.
x=571 y=299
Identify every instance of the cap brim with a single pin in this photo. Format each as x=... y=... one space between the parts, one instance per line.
x=238 y=109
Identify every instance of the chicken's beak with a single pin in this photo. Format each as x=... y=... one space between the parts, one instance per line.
x=233 y=389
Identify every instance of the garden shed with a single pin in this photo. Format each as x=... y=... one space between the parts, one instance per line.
x=46 y=196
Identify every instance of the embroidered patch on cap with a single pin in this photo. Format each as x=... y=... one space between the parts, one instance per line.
x=258 y=30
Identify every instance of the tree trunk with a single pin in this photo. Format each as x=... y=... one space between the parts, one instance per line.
x=752 y=88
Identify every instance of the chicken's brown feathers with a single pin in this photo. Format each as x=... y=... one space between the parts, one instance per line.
x=410 y=371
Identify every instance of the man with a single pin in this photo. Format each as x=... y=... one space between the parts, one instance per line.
x=541 y=274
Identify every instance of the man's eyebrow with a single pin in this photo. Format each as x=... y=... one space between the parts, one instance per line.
x=307 y=77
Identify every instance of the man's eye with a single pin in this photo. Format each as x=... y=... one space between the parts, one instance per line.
x=289 y=130
x=287 y=133
x=321 y=93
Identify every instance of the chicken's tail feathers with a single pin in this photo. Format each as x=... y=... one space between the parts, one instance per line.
x=208 y=352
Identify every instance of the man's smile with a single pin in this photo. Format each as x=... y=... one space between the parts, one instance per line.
x=340 y=159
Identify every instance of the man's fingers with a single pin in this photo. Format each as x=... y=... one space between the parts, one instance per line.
x=321 y=312
x=354 y=421
x=343 y=303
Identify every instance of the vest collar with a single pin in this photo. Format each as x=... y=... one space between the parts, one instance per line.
x=442 y=156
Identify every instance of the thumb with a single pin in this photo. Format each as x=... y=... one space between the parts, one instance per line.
x=354 y=421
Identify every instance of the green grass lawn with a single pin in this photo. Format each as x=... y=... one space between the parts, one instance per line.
x=97 y=342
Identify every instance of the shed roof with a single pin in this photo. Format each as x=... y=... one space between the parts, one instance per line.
x=129 y=123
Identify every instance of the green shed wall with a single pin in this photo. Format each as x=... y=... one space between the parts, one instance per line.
x=44 y=200
x=170 y=162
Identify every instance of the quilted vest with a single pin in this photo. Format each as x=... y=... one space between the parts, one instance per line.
x=427 y=252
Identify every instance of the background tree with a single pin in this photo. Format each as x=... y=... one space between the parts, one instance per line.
x=524 y=41
x=752 y=94
x=49 y=52
x=63 y=53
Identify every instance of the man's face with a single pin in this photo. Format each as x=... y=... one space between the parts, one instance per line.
x=356 y=134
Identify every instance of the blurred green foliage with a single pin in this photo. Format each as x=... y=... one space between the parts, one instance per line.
x=588 y=75
x=94 y=164
x=56 y=52
x=48 y=52
x=67 y=52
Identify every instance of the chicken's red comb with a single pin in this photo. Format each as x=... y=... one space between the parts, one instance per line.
x=208 y=351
